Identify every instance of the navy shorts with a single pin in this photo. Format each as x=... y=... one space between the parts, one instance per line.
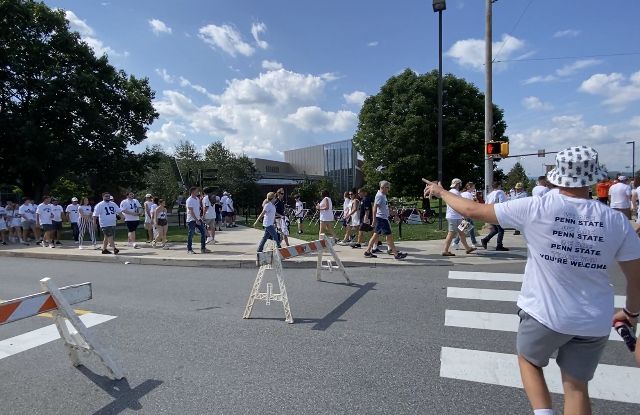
x=46 y=227
x=382 y=227
x=132 y=225
x=56 y=225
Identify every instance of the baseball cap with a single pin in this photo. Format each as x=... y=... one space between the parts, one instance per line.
x=519 y=185
x=148 y=195
x=74 y=199
x=622 y=178
x=455 y=182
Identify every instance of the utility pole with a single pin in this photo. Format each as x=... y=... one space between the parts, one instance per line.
x=488 y=99
x=440 y=225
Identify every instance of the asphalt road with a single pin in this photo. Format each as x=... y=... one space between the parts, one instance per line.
x=371 y=348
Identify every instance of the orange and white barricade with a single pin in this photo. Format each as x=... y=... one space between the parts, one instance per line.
x=272 y=259
x=75 y=334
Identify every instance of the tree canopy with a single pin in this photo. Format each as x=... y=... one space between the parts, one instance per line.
x=398 y=131
x=517 y=174
x=63 y=111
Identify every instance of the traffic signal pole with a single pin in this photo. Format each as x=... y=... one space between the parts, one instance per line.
x=488 y=100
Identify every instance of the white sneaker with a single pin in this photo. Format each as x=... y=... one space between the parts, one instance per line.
x=456 y=247
x=76 y=242
x=209 y=240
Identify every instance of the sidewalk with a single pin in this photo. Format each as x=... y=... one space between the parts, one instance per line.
x=236 y=248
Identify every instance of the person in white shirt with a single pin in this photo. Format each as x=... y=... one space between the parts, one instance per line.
x=56 y=220
x=161 y=224
x=132 y=209
x=381 y=224
x=86 y=223
x=148 y=222
x=299 y=214
x=268 y=216
x=496 y=196
x=226 y=210
x=28 y=218
x=468 y=193
x=44 y=215
x=541 y=188
x=209 y=203
x=282 y=222
x=620 y=196
x=345 y=218
x=194 y=220
x=231 y=212
x=3 y=225
x=107 y=213
x=13 y=222
x=454 y=219
x=566 y=301
x=73 y=215
x=326 y=214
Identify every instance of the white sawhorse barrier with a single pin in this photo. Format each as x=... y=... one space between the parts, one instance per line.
x=272 y=259
x=74 y=333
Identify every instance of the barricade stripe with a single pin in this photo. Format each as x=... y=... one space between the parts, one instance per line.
x=285 y=253
x=299 y=249
x=48 y=305
x=6 y=310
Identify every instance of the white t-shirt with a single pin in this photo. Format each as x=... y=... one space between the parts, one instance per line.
x=13 y=215
x=620 y=196
x=539 y=191
x=269 y=217
x=327 y=215
x=382 y=210
x=84 y=211
x=107 y=213
x=229 y=205
x=45 y=213
x=193 y=202
x=211 y=211
x=572 y=243
x=224 y=203
x=74 y=212
x=519 y=195
x=496 y=196
x=29 y=211
x=147 y=215
x=56 y=210
x=554 y=191
x=346 y=207
x=452 y=214
x=299 y=209
x=131 y=209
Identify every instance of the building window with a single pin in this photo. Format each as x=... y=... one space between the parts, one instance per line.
x=272 y=169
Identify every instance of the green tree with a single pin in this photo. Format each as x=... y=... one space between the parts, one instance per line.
x=69 y=112
x=517 y=174
x=236 y=174
x=397 y=131
x=162 y=180
x=65 y=188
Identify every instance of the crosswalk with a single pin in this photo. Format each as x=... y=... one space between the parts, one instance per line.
x=611 y=382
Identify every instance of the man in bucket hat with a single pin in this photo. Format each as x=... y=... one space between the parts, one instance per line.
x=566 y=302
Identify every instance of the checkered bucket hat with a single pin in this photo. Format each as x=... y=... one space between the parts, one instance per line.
x=576 y=167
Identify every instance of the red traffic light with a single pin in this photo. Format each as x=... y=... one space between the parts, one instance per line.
x=493 y=149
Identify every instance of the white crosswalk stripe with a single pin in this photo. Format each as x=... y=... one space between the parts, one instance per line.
x=611 y=382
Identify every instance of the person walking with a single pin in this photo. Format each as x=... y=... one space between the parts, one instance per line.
x=161 y=224
x=107 y=213
x=381 y=226
x=496 y=196
x=620 y=196
x=326 y=214
x=87 y=223
x=13 y=222
x=346 y=218
x=454 y=219
x=299 y=214
x=148 y=216
x=3 y=225
x=566 y=302
x=56 y=220
x=209 y=215
x=470 y=194
x=602 y=190
x=73 y=216
x=194 y=221
x=281 y=217
x=353 y=217
x=44 y=216
x=28 y=218
x=268 y=216
x=131 y=209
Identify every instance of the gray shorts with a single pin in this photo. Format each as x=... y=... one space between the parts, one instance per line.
x=578 y=356
x=211 y=223
x=453 y=225
x=109 y=231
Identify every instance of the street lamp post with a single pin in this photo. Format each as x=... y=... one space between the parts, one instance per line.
x=633 y=162
x=439 y=6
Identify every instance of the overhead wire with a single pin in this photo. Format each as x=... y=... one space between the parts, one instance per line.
x=515 y=26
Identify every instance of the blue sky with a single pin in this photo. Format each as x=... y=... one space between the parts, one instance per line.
x=267 y=76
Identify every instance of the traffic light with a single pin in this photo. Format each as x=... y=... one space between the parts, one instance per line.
x=497 y=149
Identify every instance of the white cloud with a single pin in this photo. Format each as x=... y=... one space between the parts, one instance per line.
x=262 y=116
x=535 y=104
x=271 y=65
x=159 y=27
x=615 y=87
x=567 y=33
x=315 y=119
x=355 y=98
x=256 y=29
x=470 y=52
x=184 y=82
x=373 y=44
x=165 y=75
x=226 y=38
x=168 y=136
x=635 y=122
x=565 y=71
x=88 y=35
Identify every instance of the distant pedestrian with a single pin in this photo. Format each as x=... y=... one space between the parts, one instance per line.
x=56 y=220
x=195 y=221
x=454 y=220
x=541 y=188
x=268 y=216
x=602 y=190
x=13 y=222
x=28 y=218
x=299 y=214
x=620 y=196
x=87 y=223
x=496 y=196
x=364 y=217
x=148 y=213
x=44 y=218
x=470 y=194
x=107 y=213
x=161 y=224
x=353 y=217
x=381 y=224
x=326 y=215
x=282 y=221
x=132 y=210
x=209 y=215
x=3 y=225
x=73 y=216
x=346 y=218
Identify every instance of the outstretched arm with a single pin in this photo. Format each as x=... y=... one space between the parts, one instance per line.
x=467 y=208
